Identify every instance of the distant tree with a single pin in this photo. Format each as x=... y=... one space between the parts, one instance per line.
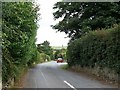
x=46 y=43
x=45 y=48
x=57 y=54
x=81 y=17
x=61 y=53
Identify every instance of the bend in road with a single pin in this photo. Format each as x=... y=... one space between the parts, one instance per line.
x=49 y=75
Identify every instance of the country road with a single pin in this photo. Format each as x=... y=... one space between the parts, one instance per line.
x=49 y=75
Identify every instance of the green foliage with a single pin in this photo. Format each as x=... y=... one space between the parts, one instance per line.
x=56 y=54
x=18 y=32
x=82 y=17
x=45 y=48
x=97 y=48
x=42 y=57
x=61 y=53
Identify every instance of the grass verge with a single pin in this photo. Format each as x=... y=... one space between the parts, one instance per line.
x=90 y=73
x=65 y=67
x=19 y=83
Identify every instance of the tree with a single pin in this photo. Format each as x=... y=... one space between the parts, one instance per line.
x=56 y=54
x=82 y=17
x=60 y=53
x=45 y=48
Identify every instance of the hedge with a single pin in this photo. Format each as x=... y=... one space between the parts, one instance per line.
x=19 y=27
x=100 y=47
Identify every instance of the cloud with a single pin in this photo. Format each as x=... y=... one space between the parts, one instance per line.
x=45 y=32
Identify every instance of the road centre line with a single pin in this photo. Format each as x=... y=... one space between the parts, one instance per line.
x=44 y=78
x=70 y=85
x=36 y=83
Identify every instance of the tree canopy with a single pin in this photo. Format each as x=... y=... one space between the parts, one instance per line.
x=81 y=17
x=45 y=48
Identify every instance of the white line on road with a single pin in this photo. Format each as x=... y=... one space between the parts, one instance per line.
x=36 y=83
x=70 y=85
x=44 y=78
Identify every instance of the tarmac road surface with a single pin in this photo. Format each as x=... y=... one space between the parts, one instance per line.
x=50 y=75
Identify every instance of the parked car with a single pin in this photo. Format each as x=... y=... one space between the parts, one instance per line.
x=60 y=60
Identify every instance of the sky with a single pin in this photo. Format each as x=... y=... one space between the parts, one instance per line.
x=45 y=31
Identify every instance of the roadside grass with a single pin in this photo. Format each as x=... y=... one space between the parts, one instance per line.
x=19 y=82
x=88 y=72
x=65 y=67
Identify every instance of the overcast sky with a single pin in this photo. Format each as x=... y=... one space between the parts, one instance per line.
x=45 y=32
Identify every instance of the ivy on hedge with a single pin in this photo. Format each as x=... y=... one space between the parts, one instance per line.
x=100 y=47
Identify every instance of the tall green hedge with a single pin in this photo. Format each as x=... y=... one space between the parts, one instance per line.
x=100 y=47
x=19 y=26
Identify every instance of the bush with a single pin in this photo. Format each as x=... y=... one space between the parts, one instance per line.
x=97 y=48
x=41 y=57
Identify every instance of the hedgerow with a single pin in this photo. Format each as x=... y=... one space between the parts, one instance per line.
x=97 y=48
x=19 y=26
